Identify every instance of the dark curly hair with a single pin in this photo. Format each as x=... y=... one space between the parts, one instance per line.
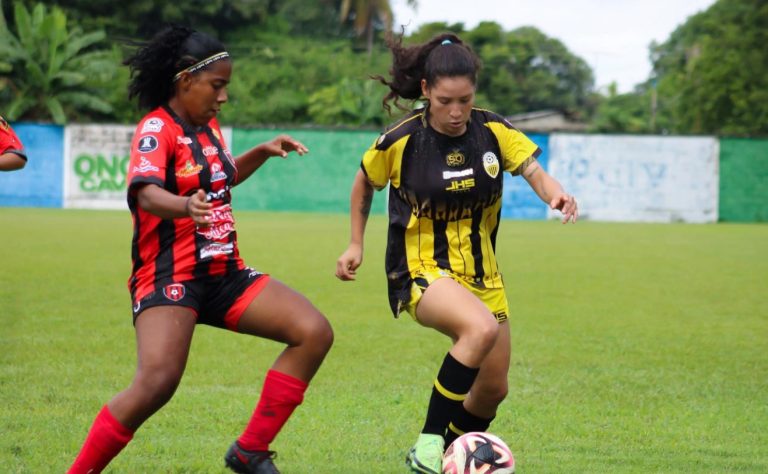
x=430 y=61
x=155 y=63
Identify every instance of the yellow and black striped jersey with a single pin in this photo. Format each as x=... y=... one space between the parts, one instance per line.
x=444 y=196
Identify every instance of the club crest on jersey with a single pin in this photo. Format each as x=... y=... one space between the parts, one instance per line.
x=491 y=164
x=455 y=158
x=188 y=170
x=217 y=175
x=152 y=125
x=147 y=143
x=174 y=291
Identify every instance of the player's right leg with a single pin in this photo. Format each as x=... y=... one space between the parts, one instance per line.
x=453 y=310
x=163 y=337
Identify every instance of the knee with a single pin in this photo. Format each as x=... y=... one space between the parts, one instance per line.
x=316 y=332
x=483 y=333
x=493 y=394
x=158 y=384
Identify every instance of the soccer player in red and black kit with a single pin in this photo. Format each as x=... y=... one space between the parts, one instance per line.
x=444 y=164
x=12 y=154
x=186 y=266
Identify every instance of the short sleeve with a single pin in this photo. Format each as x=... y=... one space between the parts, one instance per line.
x=9 y=142
x=151 y=150
x=515 y=147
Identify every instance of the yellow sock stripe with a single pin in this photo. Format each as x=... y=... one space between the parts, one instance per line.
x=453 y=428
x=448 y=394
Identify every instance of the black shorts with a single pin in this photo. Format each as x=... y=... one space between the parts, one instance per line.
x=217 y=301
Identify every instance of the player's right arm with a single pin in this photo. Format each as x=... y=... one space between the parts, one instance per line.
x=359 y=208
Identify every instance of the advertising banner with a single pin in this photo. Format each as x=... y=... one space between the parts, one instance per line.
x=638 y=178
x=96 y=163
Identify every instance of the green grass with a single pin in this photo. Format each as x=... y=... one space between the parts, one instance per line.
x=637 y=348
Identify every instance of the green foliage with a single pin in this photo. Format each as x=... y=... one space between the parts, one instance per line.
x=713 y=71
x=627 y=113
x=46 y=66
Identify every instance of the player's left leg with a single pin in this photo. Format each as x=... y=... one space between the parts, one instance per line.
x=488 y=391
x=284 y=315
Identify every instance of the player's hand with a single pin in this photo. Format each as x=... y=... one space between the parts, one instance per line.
x=566 y=204
x=199 y=209
x=347 y=264
x=281 y=145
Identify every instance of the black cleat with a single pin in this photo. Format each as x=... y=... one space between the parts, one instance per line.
x=250 y=462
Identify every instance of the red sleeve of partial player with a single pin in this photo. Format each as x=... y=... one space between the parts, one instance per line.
x=9 y=142
x=151 y=150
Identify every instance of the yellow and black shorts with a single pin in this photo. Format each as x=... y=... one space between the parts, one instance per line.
x=494 y=298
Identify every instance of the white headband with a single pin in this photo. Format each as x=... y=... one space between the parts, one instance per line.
x=201 y=64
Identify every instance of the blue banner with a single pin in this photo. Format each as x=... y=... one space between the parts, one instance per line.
x=518 y=200
x=39 y=183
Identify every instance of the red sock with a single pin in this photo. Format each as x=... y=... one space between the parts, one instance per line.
x=105 y=440
x=279 y=397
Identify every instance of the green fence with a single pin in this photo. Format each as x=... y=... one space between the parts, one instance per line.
x=319 y=181
x=743 y=180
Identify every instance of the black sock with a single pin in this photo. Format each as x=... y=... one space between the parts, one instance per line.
x=465 y=422
x=449 y=391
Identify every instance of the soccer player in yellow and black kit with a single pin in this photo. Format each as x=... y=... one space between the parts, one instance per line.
x=444 y=164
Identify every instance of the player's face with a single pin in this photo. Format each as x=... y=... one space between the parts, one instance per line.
x=450 y=103
x=207 y=91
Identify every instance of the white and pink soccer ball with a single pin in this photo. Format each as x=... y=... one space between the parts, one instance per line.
x=478 y=453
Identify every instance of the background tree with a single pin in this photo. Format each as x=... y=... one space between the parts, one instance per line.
x=46 y=67
x=369 y=16
x=713 y=71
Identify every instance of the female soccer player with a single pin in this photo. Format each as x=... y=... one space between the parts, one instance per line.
x=12 y=154
x=444 y=164
x=186 y=265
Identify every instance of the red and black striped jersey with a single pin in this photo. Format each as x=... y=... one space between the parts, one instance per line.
x=9 y=142
x=181 y=159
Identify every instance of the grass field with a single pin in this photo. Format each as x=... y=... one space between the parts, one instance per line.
x=637 y=348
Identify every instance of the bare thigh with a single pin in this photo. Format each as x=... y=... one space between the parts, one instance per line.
x=284 y=315
x=454 y=311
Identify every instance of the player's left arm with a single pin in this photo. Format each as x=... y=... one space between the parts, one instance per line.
x=11 y=162
x=551 y=192
x=251 y=160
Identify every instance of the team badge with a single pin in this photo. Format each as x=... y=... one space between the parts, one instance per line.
x=455 y=158
x=217 y=175
x=152 y=125
x=491 y=164
x=188 y=170
x=174 y=291
x=147 y=144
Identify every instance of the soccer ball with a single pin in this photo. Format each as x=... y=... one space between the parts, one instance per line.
x=478 y=453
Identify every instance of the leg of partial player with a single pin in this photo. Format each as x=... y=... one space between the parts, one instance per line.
x=163 y=337
x=284 y=315
x=488 y=391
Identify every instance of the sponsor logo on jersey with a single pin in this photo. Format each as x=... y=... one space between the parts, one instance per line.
x=188 y=170
x=145 y=166
x=217 y=175
x=252 y=272
x=210 y=151
x=147 y=143
x=491 y=164
x=458 y=174
x=455 y=158
x=463 y=185
x=174 y=291
x=153 y=125
x=222 y=223
x=217 y=195
x=183 y=140
x=215 y=248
